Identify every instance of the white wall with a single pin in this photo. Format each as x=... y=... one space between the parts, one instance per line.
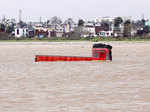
x=90 y=30
x=106 y=33
x=20 y=32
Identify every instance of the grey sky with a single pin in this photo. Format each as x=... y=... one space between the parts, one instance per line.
x=33 y=9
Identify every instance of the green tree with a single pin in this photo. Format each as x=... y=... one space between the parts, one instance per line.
x=81 y=22
x=2 y=27
x=118 y=21
x=146 y=29
x=143 y=22
x=127 y=28
x=10 y=28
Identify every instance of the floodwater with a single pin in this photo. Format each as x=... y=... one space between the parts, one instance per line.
x=122 y=85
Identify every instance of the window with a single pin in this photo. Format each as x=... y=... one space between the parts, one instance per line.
x=17 y=31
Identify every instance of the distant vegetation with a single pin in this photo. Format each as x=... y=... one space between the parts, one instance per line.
x=94 y=39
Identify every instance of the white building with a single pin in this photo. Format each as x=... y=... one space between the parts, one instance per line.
x=89 y=30
x=106 y=33
x=21 y=32
x=69 y=27
x=100 y=19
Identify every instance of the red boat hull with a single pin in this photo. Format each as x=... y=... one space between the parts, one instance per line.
x=98 y=54
x=61 y=58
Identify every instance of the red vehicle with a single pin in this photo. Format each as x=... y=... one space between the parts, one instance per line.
x=99 y=52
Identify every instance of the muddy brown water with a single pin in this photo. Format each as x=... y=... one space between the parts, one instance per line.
x=122 y=85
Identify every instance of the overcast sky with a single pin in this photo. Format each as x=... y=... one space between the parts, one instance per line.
x=86 y=9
